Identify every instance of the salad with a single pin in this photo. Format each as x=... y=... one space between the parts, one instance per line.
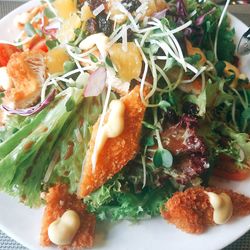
x=123 y=110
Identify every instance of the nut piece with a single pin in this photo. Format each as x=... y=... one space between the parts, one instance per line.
x=62 y=231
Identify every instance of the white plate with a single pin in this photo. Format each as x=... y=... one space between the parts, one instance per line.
x=23 y=223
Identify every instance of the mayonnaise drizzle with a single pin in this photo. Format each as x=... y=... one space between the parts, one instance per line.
x=113 y=128
x=62 y=231
x=222 y=205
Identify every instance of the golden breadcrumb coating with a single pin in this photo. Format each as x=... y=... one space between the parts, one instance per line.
x=117 y=151
x=59 y=201
x=192 y=212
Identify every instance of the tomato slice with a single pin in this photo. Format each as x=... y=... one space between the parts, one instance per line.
x=40 y=45
x=6 y=50
x=239 y=175
x=227 y=169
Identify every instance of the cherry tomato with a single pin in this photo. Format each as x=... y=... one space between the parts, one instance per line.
x=6 y=50
x=39 y=44
x=227 y=169
x=239 y=175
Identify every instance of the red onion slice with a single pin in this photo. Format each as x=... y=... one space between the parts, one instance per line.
x=160 y=14
x=199 y=21
x=96 y=82
x=32 y=110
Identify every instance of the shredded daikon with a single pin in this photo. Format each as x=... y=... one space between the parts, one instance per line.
x=128 y=14
x=195 y=76
x=98 y=10
x=143 y=160
x=124 y=39
x=144 y=73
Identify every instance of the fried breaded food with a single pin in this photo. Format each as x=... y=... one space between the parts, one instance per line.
x=26 y=71
x=58 y=201
x=117 y=151
x=192 y=212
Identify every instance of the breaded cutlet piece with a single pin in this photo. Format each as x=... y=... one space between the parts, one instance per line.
x=26 y=71
x=118 y=151
x=59 y=201
x=192 y=212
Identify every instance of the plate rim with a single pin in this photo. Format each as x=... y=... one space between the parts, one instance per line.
x=14 y=236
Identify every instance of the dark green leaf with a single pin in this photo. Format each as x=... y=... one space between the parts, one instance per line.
x=220 y=66
x=210 y=55
x=163 y=157
x=193 y=59
x=246 y=114
x=70 y=105
x=93 y=58
x=109 y=62
x=148 y=141
x=77 y=31
x=51 y=44
x=68 y=66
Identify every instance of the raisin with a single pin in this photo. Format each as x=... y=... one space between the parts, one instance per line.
x=91 y=26
x=131 y=5
x=93 y=4
x=190 y=108
x=104 y=25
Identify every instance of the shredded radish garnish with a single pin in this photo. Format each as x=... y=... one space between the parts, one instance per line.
x=98 y=10
x=128 y=14
x=195 y=76
x=144 y=73
x=124 y=39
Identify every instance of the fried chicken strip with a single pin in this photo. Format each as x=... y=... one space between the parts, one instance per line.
x=192 y=212
x=117 y=151
x=59 y=201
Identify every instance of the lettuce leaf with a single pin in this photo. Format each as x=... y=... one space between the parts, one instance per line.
x=73 y=142
x=26 y=154
x=124 y=198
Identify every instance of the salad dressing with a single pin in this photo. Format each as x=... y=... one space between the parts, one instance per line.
x=222 y=205
x=63 y=230
x=113 y=128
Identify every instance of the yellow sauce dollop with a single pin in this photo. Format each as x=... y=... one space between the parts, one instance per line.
x=113 y=128
x=222 y=205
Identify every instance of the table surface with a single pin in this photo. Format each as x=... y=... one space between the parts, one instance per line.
x=242 y=12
